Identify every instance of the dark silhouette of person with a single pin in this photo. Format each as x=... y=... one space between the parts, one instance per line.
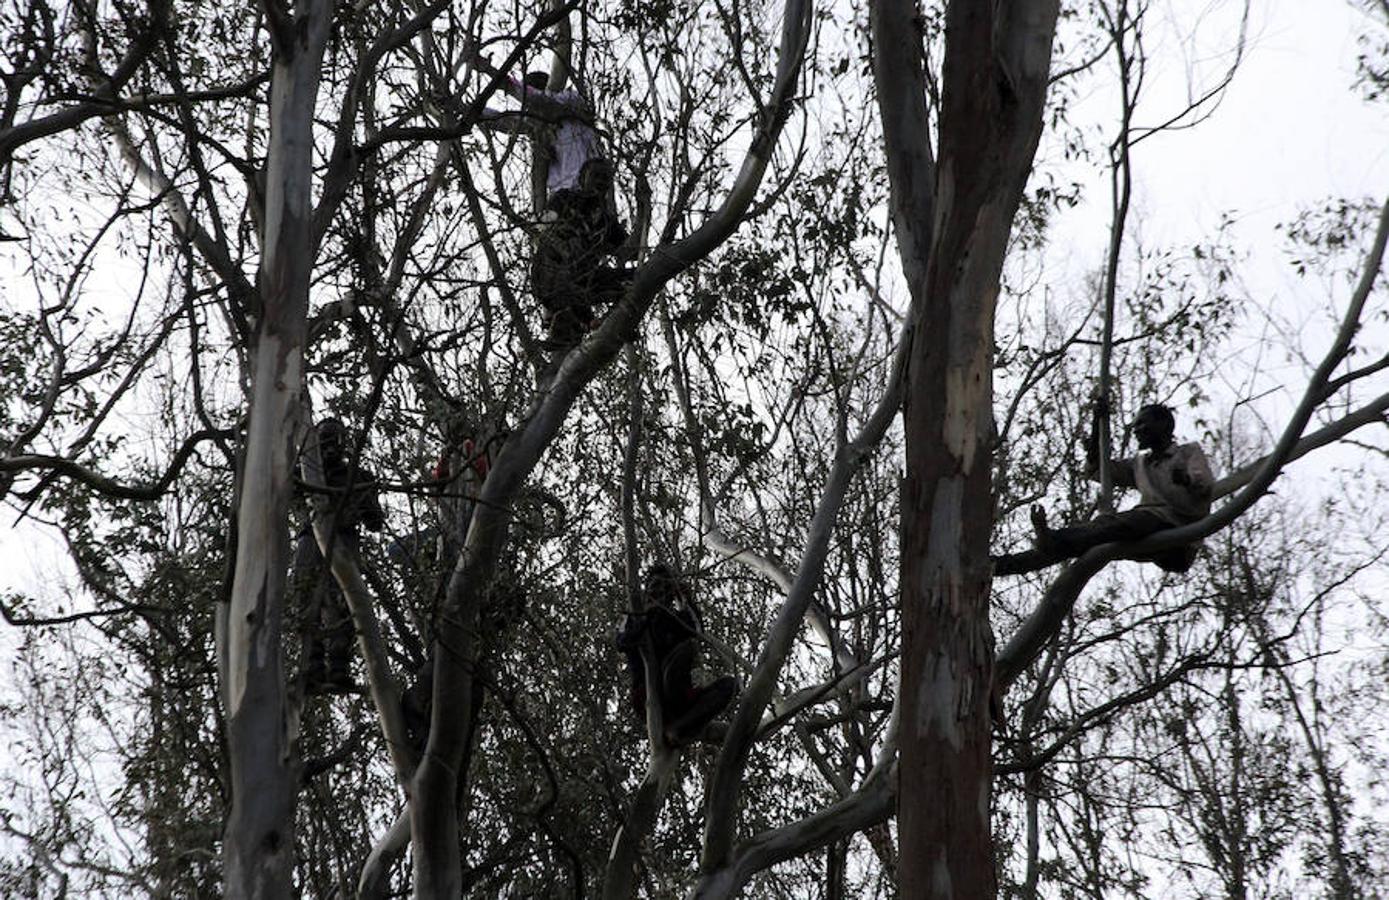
x=579 y=227
x=571 y=270
x=1174 y=482
x=328 y=628
x=672 y=622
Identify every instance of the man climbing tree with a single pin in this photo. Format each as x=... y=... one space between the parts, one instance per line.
x=579 y=225
x=570 y=273
x=1173 y=480
x=559 y=123
x=328 y=631
x=672 y=621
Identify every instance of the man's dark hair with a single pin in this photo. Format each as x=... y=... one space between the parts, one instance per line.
x=538 y=80
x=661 y=584
x=332 y=446
x=595 y=168
x=1162 y=412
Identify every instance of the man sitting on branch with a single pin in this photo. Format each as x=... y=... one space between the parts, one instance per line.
x=1174 y=483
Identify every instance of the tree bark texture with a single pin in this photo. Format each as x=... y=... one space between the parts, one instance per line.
x=619 y=881
x=993 y=87
x=258 y=843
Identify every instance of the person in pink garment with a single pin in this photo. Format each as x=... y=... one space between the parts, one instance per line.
x=559 y=122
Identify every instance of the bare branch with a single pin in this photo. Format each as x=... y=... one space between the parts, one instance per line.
x=109 y=487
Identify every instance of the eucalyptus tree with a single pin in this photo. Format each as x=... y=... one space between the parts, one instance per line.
x=284 y=212
x=301 y=164
x=953 y=217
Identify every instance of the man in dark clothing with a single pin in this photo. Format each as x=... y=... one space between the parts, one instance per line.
x=328 y=627
x=570 y=273
x=1174 y=482
x=671 y=621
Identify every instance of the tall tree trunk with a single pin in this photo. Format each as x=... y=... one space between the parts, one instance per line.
x=259 y=839
x=620 y=879
x=434 y=816
x=994 y=83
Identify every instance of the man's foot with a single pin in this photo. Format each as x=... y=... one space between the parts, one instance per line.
x=328 y=676
x=1008 y=563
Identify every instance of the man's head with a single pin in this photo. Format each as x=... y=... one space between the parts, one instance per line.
x=596 y=176
x=537 y=80
x=1153 y=426
x=332 y=430
x=334 y=443
x=662 y=587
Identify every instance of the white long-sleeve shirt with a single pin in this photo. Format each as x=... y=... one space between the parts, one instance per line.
x=575 y=141
x=1152 y=473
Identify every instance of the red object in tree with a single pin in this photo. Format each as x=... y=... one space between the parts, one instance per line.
x=479 y=461
x=441 y=467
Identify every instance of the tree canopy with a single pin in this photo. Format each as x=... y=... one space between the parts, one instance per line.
x=840 y=370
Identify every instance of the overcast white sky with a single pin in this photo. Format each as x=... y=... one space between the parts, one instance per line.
x=1290 y=132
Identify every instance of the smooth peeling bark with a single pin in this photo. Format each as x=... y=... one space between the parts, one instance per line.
x=619 y=881
x=994 y=82
x=259 y=836
x=258 y=842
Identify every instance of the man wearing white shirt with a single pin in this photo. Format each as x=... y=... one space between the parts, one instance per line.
x=1174 y=483
x=560 y=123
x=579 y=228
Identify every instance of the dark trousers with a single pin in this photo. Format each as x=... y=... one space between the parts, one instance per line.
x=327 y=621
x=1073 y=540
x=686 y=708
x=569 y=293
x=1130 y=525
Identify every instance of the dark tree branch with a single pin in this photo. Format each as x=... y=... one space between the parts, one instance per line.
x=109 y=487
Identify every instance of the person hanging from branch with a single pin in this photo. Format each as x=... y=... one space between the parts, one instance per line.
x=579 y=227
x=1174 y=482
x=328 y=629
x=671 y=621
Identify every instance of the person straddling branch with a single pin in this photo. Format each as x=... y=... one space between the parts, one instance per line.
x=570 y=268
x=672 y=622
x=579 y=226
x=328 y=627
x=1174 y=483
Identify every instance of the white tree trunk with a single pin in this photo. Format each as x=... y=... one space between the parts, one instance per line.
x=258 y=843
